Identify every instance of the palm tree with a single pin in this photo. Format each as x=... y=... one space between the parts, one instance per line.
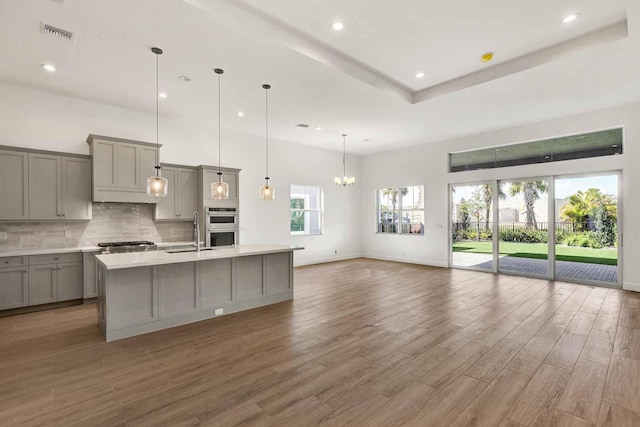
x=583 y=206
x=393 y=193
x=487 y=196
x=531 y=190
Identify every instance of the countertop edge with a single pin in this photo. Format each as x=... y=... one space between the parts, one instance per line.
x=186 y=257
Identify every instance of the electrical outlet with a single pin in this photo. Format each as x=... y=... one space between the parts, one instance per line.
x=172 y=231
x=3 y=235
x=67 y=234
x=219 y=311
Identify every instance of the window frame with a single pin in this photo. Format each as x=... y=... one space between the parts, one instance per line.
x=306 y=198
x=399 y=211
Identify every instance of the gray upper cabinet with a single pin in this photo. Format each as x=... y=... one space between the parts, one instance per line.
x=187 y=188
x=166 y=207
x=45 y=186
x=14 y=185
x=121 y=168
x=76 y=188
x=181 y=202
x=59 y=187
x=210 y=175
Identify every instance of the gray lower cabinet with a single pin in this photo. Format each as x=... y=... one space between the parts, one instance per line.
x=216 y=283
x=43 y=284
x=59 y=187
x=249 y=278
x=178 y=289
x=14 y=287
x=55 y=282
x=70 y=281
x=14 y=185
x=89 y=275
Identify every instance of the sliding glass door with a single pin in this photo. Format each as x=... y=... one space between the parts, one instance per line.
x=523 y=227
x=586 y=209
x=472 y=226
x=562 y=227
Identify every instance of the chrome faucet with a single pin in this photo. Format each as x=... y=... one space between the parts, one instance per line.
x=196 y=230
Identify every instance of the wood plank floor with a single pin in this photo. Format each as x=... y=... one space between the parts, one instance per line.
x=453 y=348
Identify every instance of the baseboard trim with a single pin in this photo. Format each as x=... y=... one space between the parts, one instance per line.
x=635 y=287
x=431 y=263
x=327 y=259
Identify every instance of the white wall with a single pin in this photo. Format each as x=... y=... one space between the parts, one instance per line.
x=41 y=120
x=427 y=165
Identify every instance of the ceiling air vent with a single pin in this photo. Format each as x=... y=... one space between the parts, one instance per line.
x=302 y=125
x=56 y=32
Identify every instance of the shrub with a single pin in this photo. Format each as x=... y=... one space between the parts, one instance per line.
x=524 y=235
x=586 y=239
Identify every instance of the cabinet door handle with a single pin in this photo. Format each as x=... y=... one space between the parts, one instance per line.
x=6 y=262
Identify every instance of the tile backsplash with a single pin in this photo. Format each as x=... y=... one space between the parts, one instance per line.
x=111 y=222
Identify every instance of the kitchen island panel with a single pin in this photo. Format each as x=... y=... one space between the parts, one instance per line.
x=132 y=297
x=249 y=278
x=179 y=290
x=217 y=283
x=279 y=273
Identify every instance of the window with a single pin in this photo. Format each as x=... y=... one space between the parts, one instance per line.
x=400 y=210
x=306 y=210
x=593 y=144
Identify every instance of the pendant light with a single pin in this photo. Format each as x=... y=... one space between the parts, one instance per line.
x=157 y=186
x=267 y=192
x=345 y=180
x=219 y=189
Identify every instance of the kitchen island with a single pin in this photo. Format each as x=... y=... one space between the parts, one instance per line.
x=142 y=292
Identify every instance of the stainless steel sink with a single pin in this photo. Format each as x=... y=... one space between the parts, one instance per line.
x=179 y=251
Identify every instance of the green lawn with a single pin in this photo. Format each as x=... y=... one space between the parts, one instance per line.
x=539 y=251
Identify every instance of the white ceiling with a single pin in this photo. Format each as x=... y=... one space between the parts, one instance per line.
x=334 y=80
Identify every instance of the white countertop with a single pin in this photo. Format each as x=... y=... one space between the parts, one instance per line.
x=144 y=259
x=43 y=251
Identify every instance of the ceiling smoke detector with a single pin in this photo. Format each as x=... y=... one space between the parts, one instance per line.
x=56 y=32
x=302 y=125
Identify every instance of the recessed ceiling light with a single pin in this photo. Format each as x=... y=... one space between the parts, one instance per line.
x=184 y=78
x=48 y=67
x=487 y=57
x=365 y=140
x=318 y=128
x=338 y=25
x=570 y=18
x=419 y=75
x=240 y=113
x=162 y=95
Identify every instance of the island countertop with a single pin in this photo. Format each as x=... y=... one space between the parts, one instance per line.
x=143 y=259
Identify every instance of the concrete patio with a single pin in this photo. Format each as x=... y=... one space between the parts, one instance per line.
x=539 y=267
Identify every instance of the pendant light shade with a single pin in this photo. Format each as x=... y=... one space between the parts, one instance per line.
x=157 y=186
x=267 y=192
x=219 y=189
x=345 y=180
